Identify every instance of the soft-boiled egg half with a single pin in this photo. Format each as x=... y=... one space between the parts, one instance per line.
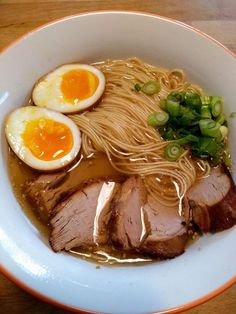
x=69 y=88
x=42 y=138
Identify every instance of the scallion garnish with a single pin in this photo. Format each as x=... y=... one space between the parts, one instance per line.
x=137 y=87
x=216 y=106
x=205 y=100
x=205 y=112
x=193 y=100
x=196 y=122
x=224 y=131
x=233 y=114
x=172 y=107
x=173 y=151
x=221 y=118
x=186 y=139
x=158 y=119
x=162 y=104
x=151 y=88
x=176 y=96
x=227 y=161
x=209 y=127
x=183 y=110
x=168 y=134
x=204 y=147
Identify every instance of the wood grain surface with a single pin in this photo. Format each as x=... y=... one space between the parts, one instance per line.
x=215 y=17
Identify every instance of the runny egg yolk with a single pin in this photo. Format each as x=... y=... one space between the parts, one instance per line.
x=78 y=85
x=47 y=139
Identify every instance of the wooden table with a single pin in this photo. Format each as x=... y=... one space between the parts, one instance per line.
x=215 y=17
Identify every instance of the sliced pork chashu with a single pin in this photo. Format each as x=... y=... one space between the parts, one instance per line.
x=128 y=226
x=46 y=191
x=143 y=224
x=167 y=230
x=82 y=220
x=213 y=201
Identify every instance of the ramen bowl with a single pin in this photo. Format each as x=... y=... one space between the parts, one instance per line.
x=209 y=264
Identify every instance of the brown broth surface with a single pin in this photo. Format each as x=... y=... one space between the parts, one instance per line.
x=82 y=170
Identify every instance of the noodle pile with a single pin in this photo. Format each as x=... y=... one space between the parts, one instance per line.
x=118 y=127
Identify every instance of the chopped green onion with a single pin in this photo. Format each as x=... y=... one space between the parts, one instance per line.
x=173 y=151
x=209 y=127
x=205 y=112
x=221 y=118
x=182 y=132
x=196 y=121
x=183 y=110
x=184 y=120
x=193 y=100
x=137 y=87
x=205 y=100
x=162 y=104
x=216 y=106
x=222 y=155
x=224 y=131
x=186 y=139
x=189 y=117
x=205 y=146
x=208 y=145
x=233 y=114
x=151 y=88
x=227 y=161
x=158 y=119
x=174 y=123
x=176 y=96
x=168 y=135
x=172 y=107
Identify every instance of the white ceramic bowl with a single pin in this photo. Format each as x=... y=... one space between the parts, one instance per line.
x=209 y=265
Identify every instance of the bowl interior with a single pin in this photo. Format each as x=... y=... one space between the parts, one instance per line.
x=90 y=38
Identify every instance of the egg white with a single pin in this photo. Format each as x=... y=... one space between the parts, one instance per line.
x=47 y=92
x=16 y=124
